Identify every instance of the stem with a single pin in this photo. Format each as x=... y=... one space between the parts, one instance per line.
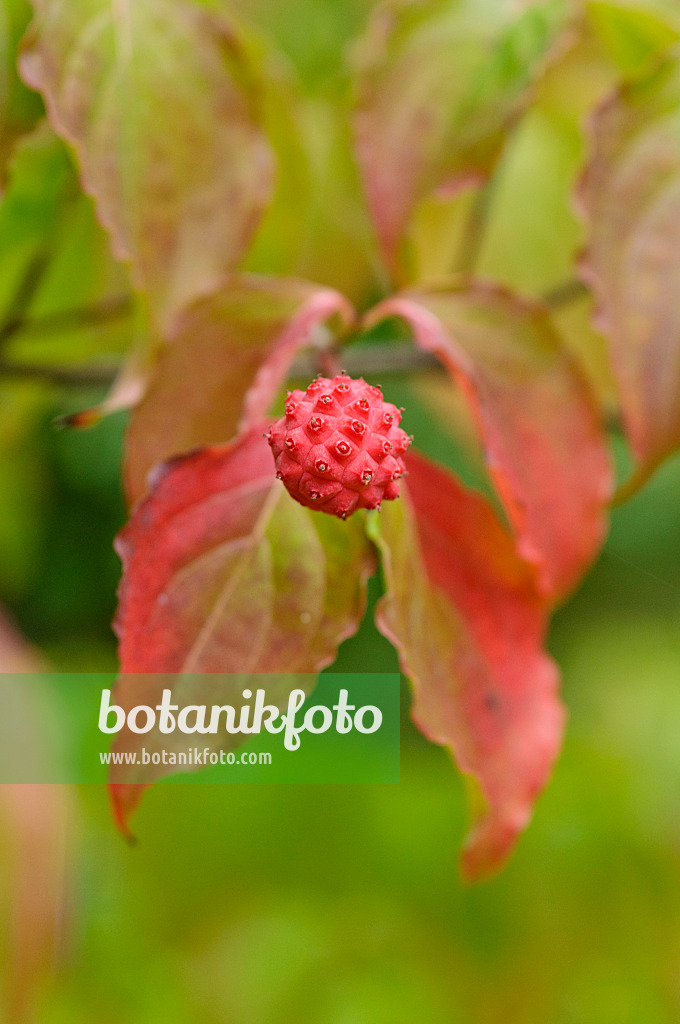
x=35 y=270
x=24 y=295
x=328 y=363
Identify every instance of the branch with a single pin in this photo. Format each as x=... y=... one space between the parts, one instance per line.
x=386 y=360
x=69 y=376
x=24 y=295
x=375 y=360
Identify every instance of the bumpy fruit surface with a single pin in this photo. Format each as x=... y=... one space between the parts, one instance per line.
x=339 y=446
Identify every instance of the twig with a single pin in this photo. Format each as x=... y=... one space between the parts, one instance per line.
x=375 y=360
x=24 y=295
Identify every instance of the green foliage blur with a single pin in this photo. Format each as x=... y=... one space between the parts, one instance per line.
x=342 y=905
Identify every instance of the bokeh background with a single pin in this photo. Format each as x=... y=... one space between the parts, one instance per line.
x=343 y=904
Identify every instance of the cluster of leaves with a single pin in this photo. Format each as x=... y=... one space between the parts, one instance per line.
x=226 y=186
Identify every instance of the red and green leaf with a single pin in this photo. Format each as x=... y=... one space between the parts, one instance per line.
x=630 y=194
x=229 y=356
x=463 y=611
x=544 y=444
x=160 y=104
x=439 y=85
x=224 y=573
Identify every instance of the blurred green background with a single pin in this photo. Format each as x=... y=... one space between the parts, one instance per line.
x=342 y=904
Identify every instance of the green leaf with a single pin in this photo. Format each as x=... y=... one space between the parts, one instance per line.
x=634 y=32
x=159 y=103
x=334 y=242
x=439 y=85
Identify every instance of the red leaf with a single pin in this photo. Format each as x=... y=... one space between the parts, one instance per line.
x=229 y=356
x=630 y=194
x=544 y=444
x=225 y=573
x=464 y=613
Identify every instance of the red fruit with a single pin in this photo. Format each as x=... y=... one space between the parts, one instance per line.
x=339 y=447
